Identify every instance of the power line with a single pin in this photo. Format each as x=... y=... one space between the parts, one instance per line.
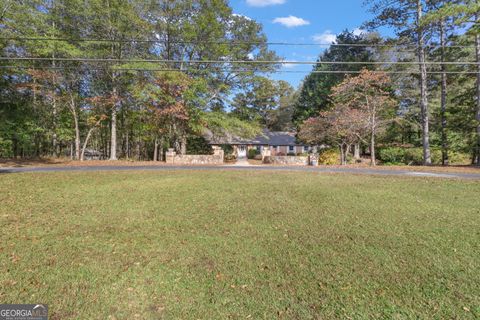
x=314 y=44
x=274 y=62
x=236 y=71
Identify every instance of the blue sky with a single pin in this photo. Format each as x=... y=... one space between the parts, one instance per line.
x=305 y=21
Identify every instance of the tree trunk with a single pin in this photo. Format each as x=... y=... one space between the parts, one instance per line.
x=15 y=146
x=77 y=140
x=373 y=159
x=37 y=147
x=183 y=144
x=54 y=136
x=345 y=156
x=54 y=104
x=114 y=54
x=127 y=146
x=155 y=150
x=477 y=53
x=427 y=160
x=77 y=128
x=356 y=151
x=85 y=143
x=137 y=149
x=89 y=134
x=342 y=155
x=113 y=143
x=443 y=107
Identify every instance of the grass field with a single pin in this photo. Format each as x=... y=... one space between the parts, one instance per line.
x=217 y=245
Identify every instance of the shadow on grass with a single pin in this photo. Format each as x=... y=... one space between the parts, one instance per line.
x=20 y=163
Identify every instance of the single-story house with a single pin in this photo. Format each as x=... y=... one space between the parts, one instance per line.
x=279 y=143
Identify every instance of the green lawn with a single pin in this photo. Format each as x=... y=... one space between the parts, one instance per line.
x=217 y=245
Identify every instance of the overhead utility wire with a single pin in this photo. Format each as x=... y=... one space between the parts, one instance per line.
x=230 y=42
x=282 y=62
x=238 y=71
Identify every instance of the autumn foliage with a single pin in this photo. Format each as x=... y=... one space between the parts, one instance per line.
x=362 y=106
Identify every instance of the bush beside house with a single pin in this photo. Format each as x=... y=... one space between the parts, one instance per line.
x=252 y=153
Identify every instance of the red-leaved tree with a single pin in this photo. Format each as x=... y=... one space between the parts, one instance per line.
x=341 y=126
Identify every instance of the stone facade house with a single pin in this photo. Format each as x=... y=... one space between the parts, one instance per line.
x=278 y=143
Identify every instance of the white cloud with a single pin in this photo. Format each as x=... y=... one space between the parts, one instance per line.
x=291 y=21
x=264 y=3
x=325 y=37
x=358 y=31
x=250 y=56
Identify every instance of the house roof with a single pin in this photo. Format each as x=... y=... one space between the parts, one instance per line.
x=275 y=138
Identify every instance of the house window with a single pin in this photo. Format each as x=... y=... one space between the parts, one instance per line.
x=291 y=148
x=259 y=148
x=305 y=148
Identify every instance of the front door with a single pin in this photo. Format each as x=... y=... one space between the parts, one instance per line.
x=242 y=151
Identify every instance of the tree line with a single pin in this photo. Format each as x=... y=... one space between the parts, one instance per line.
x=113 y=75
x=427 y=100
x=131 y=78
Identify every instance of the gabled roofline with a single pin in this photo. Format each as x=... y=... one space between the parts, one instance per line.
x=266 y=138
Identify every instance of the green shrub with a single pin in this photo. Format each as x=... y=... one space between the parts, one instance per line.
x=392 y=155
x=436 y=156
x=6 y=150
x=252 y=153
x=227 y=148
x=414 y=156
x=329 y=157
x=291 y=154
x=408 y=156
x=459 y=158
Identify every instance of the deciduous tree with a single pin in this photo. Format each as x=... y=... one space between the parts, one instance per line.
x=342 y=126
x=370 y=94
